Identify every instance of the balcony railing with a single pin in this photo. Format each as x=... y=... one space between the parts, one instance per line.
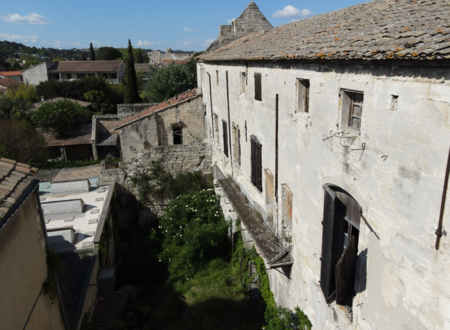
x=274 y=250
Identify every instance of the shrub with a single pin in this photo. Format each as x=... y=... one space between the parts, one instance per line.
x=195 y=232
x=20 y=141
x=60 y=117
x=170 y=81
x=17 y=101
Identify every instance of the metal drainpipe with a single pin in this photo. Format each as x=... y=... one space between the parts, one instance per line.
x=210 y=99
x=438 y=231
x=229 y=126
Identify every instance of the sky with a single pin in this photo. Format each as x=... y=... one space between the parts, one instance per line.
x=184 y=25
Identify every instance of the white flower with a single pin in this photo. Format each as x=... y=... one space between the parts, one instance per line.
x=159 y=260
x=181 y=227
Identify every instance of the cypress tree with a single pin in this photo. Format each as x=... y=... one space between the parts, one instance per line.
x=132 y=93
x=83 y=58
x=91 y=53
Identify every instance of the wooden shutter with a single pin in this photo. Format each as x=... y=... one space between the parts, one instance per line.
x=303 y=95
x=327 y=268
x=345 y=273
x=258 y=95
x=225 y=138
x=356 y=110
x=256 y=162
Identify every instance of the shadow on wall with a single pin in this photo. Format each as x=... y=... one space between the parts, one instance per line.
x=361 y=272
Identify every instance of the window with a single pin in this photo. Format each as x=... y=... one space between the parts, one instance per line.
x=225 y=138
x=217 y=77
x=177 y=134
x=256 y=162
x=81 y=75
x=236 y=145
x=302 y=95
x=113 y=76
x=341 y=219
x=239 y=147
x=352 y=110
x=394 y=102
x=258 y=95
x=54 y=76
x=68 y=75
x=243 y=82
x=91 y=74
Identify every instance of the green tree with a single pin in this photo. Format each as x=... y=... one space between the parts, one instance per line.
x=14 y=64
x=140 y=56
x=31 y=63
x=20 y=141
x=170 y=81
x=83 y=57
x=108 y=54
x=192 y=64
x=60 y=118
x=91 y=53
x=132 y=93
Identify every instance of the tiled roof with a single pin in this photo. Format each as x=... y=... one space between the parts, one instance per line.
x=8 y=82
x=80 y=136
x=36 y=105
x=15 y=177
x=375 y=30
x=10 y=73
x=85 y=66
x=183 y=97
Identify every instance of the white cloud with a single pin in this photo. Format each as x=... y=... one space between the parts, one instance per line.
x=189 y=29
x=32 y=18
x=208 y=42
x=230 y=20
x=15 y=37
x=141 y=43
x=96 y=43
x=292 y=13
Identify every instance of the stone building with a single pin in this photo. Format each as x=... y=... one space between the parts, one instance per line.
x=23 y=244
x=330 y=140
x=157 y=57
x=249 y=21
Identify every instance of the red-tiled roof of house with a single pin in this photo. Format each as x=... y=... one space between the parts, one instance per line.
x=15 y=177
x=183 y=97
x=10 y=73
x=85 y=66
x=373 y=30
x=7 y=82
x=80 y=136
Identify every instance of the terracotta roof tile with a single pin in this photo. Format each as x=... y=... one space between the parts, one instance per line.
x=14 y=179
x=10 y=73
x=375 y=30
x=8 y=82
x=86 y=66
x=188 y=95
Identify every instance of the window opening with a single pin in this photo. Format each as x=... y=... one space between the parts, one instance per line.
x=69 y=75
x=352 y=104
x=225 y=138
x=258 y=95
x=256 y=162
x=302 y=95
x=243 y=82
x=394 y=102
x=340 y=236
x=239 y=147
x=81 y=75
x=177 y=135
x=217 y=77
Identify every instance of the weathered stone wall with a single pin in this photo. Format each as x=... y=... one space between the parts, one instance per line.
x=125 y=110
x=394 y=167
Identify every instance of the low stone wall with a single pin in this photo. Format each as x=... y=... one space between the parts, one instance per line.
x=125 y=110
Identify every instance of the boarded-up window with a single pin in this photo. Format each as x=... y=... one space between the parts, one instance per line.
x=258 y=95
x=243 y=82
x=302 y=95
x=225 y=137
x=341 y=218
x=177 y=135
x=256 y=162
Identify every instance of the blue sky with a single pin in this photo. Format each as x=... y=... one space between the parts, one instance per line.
x=186 y=25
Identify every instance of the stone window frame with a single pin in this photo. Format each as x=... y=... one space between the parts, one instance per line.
x=302 y=88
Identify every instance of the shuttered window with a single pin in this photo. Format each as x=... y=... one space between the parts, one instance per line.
x=225 y=138
x=341 y=217
x=256 y=163
x=258 y=95
x=355 y=110
x=302 y=95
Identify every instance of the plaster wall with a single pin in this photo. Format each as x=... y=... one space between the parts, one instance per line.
x=36 y=74
x=23 y=270
x=397 y=180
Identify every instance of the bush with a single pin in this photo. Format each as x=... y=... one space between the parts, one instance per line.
x=195 y=232
x=91 y=89
x=61 y=117
x=17 y=101
x=21 y=142
x=170 y=81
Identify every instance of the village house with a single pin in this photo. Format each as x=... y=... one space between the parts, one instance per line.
x=157 y=57
x=23 y=253
x=79 y=224
x=331 y=141
x=7 y=83
x=112 y=71
x=15 y=75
